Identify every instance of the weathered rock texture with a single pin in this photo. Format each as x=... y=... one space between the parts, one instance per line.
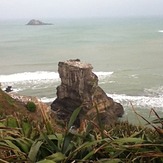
x=79 y=88
x=37 y=22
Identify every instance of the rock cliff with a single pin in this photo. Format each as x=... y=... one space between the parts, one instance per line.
x=79 y=88
x=37 y=22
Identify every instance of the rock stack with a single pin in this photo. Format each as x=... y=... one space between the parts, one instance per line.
x=79 y=88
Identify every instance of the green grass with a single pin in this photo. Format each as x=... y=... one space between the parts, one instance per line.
x=26 y=141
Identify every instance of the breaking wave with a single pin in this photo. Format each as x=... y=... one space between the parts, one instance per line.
x=27 y=76
x=141 y=101
x=102 y=75
x=47 y=100
x=38 y=80
x=126 y=101
x=41 y=75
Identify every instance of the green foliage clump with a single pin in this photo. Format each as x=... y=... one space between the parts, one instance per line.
x=24 y=141
x=31 y=106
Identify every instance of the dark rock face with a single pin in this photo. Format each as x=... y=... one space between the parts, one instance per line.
x=37 y=22
x=79 y=88
x=9 y=89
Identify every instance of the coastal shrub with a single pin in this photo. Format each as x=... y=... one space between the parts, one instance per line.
x=31 y=106
x=23 y=141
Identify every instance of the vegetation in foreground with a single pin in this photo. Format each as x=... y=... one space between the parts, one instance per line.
x=26 y=139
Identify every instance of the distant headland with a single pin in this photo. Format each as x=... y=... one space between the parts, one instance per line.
x=37 y=22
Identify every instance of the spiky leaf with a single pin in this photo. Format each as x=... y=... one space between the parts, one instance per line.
x=34 y=150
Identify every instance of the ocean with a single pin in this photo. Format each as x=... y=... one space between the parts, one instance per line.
x=126 y=54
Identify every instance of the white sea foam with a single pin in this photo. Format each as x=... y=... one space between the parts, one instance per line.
x=161 y=31
x=155 y=91
x=103 y=75
x=38 y=80
x=140 y=101
x=29 y=76
x=47 y=100
x=41 y=75
x=134 y=76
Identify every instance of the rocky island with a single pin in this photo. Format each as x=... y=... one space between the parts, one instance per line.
x=37 y=22
x=79 y=88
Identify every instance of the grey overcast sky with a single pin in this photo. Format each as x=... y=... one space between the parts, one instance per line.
x=17 y=9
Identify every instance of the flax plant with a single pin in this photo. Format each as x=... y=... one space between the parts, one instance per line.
x=30 y=142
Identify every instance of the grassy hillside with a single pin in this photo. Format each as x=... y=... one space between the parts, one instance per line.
x=14 y=107
x=9 y=106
